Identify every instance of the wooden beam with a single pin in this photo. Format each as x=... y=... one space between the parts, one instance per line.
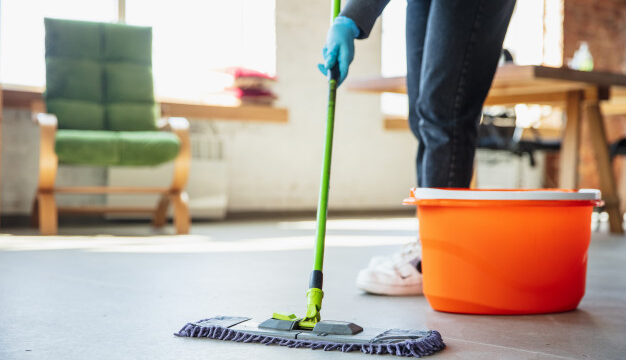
x=519 y=73
x=532 y=81
x=105 y=209
x=243 y=112
x=546 y=98
x=379 y=84
x=22 y=97
x=396 y=123
x=399 y=123
x=599 y=78
x=110 y=189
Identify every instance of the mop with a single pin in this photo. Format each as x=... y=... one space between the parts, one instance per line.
x=310 y=331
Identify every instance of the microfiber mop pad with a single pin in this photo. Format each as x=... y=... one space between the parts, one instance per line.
x=408 y=343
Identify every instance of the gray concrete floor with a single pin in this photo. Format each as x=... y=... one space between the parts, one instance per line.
x=120 y=291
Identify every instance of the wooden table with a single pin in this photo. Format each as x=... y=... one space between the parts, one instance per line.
x=577 y=91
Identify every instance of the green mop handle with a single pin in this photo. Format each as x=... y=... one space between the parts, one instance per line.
x=322 y=206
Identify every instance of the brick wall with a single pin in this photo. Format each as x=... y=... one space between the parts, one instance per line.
x=602 y=24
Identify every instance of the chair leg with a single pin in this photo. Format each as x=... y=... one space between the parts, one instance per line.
x=47 y=213
x=160 y=215
x=182 y=220
x=34 y=213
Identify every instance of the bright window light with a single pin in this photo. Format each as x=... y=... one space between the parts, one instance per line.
x=524 y=38
x=393 y=53
x=22 y=33
x=192 y=40
x=393 y=56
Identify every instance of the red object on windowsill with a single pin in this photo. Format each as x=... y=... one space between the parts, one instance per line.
x=241 y=72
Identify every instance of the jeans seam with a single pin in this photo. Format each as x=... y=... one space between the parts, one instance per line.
x=460 y=91
x=452 y=168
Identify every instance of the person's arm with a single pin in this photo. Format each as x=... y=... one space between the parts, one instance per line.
x=364 y=14
x=354 y=22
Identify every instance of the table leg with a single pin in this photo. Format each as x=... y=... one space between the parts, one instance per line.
x=608 y=184
x=568 y=167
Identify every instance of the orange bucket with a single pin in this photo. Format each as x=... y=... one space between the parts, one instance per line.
x=504 y=251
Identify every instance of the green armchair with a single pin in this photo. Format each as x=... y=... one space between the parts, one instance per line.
x=100 y=110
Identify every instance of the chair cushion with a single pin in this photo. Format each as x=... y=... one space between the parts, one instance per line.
x=128 y=82
x=132 y=116
x=73 y=79
x=87 y=147
x=147 y=147
x=109 y=65
x=77 y=114
x=128 y=43
x=73 y=39
x=115 y=148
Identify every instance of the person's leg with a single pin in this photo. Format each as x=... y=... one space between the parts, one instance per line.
x=416 y=20
x=461 y=51
x=398 y=274
x=451 y=62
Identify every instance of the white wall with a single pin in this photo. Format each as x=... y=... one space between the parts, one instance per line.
x=276 y=166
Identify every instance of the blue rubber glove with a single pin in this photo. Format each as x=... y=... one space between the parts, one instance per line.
x=339 y=47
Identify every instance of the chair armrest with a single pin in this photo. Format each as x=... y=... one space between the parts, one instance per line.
x=41 y=117
x=173 y=124
x=182 y=163
x=48 y=121
x=48 y=160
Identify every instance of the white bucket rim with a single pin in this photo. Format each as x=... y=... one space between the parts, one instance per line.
x=458 y=194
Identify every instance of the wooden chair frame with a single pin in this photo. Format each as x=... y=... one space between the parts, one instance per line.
x=45 y=211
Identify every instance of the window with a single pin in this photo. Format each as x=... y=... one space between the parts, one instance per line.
x=22 y=33
x=393 y=56
x=191 y=39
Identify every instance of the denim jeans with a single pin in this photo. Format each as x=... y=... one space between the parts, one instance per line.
x=453 y=47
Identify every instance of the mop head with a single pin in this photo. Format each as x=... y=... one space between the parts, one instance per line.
x=409 y=343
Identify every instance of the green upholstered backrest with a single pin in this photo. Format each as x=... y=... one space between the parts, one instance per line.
x=99 y=76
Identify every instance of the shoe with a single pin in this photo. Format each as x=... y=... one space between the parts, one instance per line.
x=395 y=279
x=408 y=253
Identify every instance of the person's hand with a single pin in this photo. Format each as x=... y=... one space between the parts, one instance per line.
x=339 y=48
